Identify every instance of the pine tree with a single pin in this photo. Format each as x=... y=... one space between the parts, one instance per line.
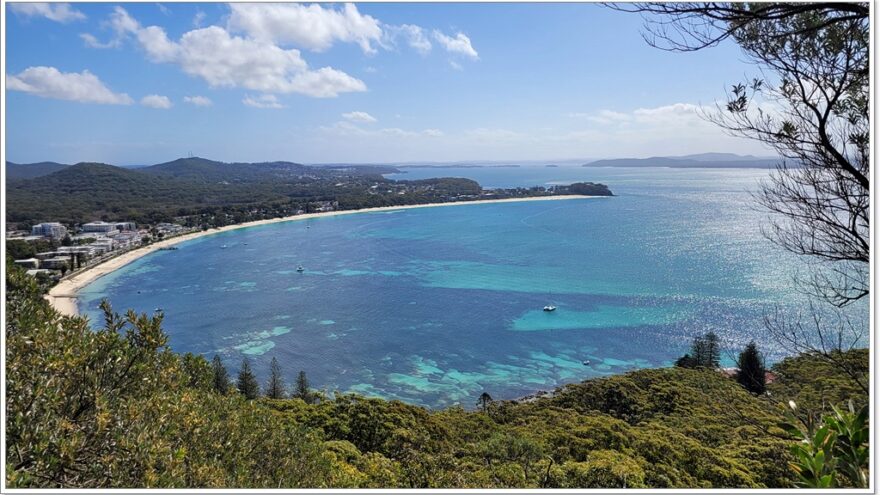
x=699 y=352
x=705 y=353
x=221 y=377
x=713 y=351
x=247 y=382
x=484 y=401
x=302 y=388
x=751 y=374
x=275 y=385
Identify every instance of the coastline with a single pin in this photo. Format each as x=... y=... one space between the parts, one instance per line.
x=63 y=295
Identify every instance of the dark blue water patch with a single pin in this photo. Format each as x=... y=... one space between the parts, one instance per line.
x=436 y=305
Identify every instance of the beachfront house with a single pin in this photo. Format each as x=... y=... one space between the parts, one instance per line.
x=57 y=263
x=28 y=263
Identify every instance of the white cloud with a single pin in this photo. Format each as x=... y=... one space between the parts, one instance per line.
x=262 y=101
x=49 y=82
x=459 y=44
x=199 y=101
x=359 y=117
x=224 y=60
x=602 y=116
x=198 y=19
x=455 y=65
x=156 y=101
x=313 y=27
x=674 y=112
x=58 y=12
x=163 y=9
x=347 y=129
x=413 y=35
x=93 y=42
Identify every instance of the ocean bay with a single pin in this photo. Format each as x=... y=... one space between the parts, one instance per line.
x=436 y=305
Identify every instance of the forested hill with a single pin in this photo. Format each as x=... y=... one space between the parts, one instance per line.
x=209 y=193
x=18 y=171
x=113 y=407
x=201 y=169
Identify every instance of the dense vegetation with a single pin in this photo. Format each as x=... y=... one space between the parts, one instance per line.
x=202 y=192
x=18 y=171
x=113 y=407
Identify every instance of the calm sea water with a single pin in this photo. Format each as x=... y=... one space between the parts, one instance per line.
x=436 y=305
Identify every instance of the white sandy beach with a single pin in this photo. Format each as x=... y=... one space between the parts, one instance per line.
x=63 y=296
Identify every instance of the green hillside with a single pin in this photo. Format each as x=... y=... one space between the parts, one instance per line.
x=18 y=171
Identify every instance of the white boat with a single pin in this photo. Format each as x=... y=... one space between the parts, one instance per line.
x=300 y=269
x=548 y=308
x=224 y=246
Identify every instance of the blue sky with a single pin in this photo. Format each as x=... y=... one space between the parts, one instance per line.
x=145 y=83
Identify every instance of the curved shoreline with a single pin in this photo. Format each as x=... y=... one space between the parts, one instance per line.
x=63 y=295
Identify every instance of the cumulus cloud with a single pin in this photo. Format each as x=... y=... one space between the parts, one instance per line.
x=199 y=101
x=459 y=44
x=93 y=42
x=58 y=12
x=313 y=27
x=156 y=101
x=359 y=117
x=225 y=60
x=49 y=82
x=262 y=101
x=413 y=35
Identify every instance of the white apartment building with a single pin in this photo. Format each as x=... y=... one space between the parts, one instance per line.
x=102 y=227
x=49 y=229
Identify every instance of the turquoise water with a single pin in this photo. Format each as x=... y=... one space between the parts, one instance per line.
x=436 y=305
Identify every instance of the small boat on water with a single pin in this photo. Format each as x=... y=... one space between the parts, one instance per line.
x=158 y=310
x=224 y=246
x=300 y=269
x=587 y=362
x=549 y=308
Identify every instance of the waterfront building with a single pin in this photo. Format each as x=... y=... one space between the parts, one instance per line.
x=38 y=271
x=28 y=263
x=49 y=229
x=102 y=227
x=56 y=263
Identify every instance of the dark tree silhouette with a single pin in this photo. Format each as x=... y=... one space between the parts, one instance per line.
x=302 y=390
x=247 y=382
x=275 y=385
x=815 y=118
x=815 y=115
x=692 y=26
x=686 y=361
x=484 y=401
x=752 y=373
x=221 y=377
x=705 y=353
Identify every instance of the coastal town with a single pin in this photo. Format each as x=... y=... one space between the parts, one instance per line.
x=60 y=250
